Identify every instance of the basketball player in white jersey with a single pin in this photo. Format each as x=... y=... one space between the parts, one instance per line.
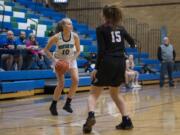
x=68 y=49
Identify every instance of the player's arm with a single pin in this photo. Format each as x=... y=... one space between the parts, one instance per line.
x=100 y=47
x=133 y=65
x=52 y=40
x=77 y=45
x=127 y=64
x=129 y=39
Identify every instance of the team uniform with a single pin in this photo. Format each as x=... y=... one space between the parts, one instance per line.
x=110 y=62
x=65 y=50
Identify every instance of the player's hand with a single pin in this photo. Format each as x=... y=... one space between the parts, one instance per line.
x=54 y=61
x=93 y=74
x=75 y=56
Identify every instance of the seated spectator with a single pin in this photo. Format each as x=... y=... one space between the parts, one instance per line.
x=91 y=60
x=27 y=57
x=38 y=59
x=8 y=59
x=22 y=38
x=131 y=76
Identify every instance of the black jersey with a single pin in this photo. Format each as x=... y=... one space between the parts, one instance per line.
x=111 y=40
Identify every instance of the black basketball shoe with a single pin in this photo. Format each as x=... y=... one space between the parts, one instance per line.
x=53 y=109
x=87 y=127
x=68 y=108
x=125 y=124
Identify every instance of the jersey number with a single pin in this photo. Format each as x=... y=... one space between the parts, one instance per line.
x=65 y=52
x=116 y=37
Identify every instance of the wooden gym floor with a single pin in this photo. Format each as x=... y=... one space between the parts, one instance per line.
x=154 y=111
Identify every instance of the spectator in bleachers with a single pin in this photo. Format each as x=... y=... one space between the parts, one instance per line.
x=8 y=59
x=21 y=41
x=91 y=60
x=32 y=46
x=131 y=76
x=37 y=59
x=22 y=38
x=166 y=55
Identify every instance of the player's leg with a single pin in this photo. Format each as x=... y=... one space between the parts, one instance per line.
x=92 y=100
x=57 y=94
x=127 y=80
x=73 y=88
x=162 y=73
x=120 y=103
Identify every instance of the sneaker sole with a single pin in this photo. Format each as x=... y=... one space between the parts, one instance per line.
x=54 y=114
x=87 y=129
x=125 y=128
x=91 y=123
x=67 y=110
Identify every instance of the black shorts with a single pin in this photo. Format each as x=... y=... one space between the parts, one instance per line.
x=111 y=72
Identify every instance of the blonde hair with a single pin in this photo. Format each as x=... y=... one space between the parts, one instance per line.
x=59 y=27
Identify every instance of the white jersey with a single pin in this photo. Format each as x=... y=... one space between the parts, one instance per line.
x=65 y=50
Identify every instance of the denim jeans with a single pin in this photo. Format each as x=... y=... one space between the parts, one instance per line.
x=166 y=67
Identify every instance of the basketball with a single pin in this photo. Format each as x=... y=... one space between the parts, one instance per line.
x=62 y=67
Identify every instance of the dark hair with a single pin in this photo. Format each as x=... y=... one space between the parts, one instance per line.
x=112 y=14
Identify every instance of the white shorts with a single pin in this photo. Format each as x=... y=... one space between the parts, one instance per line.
x=73 y=64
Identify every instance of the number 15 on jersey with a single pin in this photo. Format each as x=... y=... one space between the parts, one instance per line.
x=116 y=37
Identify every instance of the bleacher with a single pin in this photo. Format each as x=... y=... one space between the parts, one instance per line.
x=25 y=15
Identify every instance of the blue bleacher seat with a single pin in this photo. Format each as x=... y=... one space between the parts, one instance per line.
x=74 y=21
x=145 y=77
x=8 y=13
x=17 y=31
x=46 y=22
x=26 y=75
x=150 y=61
x=7 y=3
x=81 y=62
x=86 y=42
x=83 y=81
x=131 y=50
x=53 y=48
x=42 y=41
x=35 y=16
x=93 y=36
x=176 y=74
x=23 y=20
x=92 y=49
x=3 y=36
x=23 y=10
x=139 y=55
x=7 y=25
x=138 y=68
x=7 y=87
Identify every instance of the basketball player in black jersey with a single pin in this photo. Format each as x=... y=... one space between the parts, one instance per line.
x=110 y=66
